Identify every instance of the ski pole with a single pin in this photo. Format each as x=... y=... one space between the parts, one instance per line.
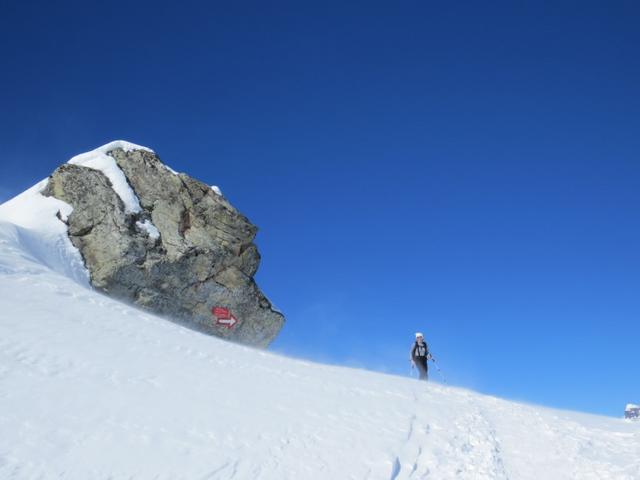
x=439 y=371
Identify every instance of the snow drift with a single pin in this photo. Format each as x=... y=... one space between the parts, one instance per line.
x=91 y=388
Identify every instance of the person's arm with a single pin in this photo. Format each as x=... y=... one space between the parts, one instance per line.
x=429 y=356
x=411 y=354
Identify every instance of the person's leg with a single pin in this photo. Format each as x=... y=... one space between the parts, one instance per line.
x=422 y=369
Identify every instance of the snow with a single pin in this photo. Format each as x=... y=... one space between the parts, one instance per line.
x=150 y=228
x=99 y=160
x=30 y=220
x=631 y=406
x=170 y=169
x=216 y=190
x=91 y=388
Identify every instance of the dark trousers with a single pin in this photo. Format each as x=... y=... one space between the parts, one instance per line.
x=423 y=368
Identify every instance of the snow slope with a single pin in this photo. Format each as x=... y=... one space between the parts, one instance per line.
x=94 y=389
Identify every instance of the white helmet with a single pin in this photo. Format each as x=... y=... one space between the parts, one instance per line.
x=418 y=334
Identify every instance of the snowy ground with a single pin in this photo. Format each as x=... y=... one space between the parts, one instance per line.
x=94 y=389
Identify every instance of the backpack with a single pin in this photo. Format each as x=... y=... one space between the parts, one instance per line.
x=420 y=350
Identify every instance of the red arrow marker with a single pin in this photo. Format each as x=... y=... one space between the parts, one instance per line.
x=224 y=317
x=228 y=322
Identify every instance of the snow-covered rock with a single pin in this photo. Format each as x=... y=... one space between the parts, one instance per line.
x=156 y=238
x=101 y=160
x=632 y=411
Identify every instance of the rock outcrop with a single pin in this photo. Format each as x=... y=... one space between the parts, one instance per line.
x=166 y=242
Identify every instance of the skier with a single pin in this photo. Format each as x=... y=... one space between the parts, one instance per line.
x=419 y=356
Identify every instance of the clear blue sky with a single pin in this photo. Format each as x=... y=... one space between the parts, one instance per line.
x=468 y=170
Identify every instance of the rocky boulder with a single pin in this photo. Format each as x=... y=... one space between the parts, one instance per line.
x=166 y=242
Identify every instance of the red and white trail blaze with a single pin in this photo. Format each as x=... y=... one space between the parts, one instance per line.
x=224 y=317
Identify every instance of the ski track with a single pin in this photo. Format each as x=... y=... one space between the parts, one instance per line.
x=93 y=389
x=471 y=450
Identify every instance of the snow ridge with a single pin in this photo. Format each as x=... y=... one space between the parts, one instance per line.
x=34 y=224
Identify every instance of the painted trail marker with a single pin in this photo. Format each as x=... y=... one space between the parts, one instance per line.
x=224 y=317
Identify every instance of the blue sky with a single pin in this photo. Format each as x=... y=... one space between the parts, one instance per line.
x=467 y=170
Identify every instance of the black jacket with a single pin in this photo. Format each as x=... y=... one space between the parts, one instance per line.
x=420 y=353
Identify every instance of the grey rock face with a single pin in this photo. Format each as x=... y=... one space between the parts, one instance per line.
x=200 y=268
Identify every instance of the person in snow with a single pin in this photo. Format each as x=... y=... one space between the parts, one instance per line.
x=419 y=356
